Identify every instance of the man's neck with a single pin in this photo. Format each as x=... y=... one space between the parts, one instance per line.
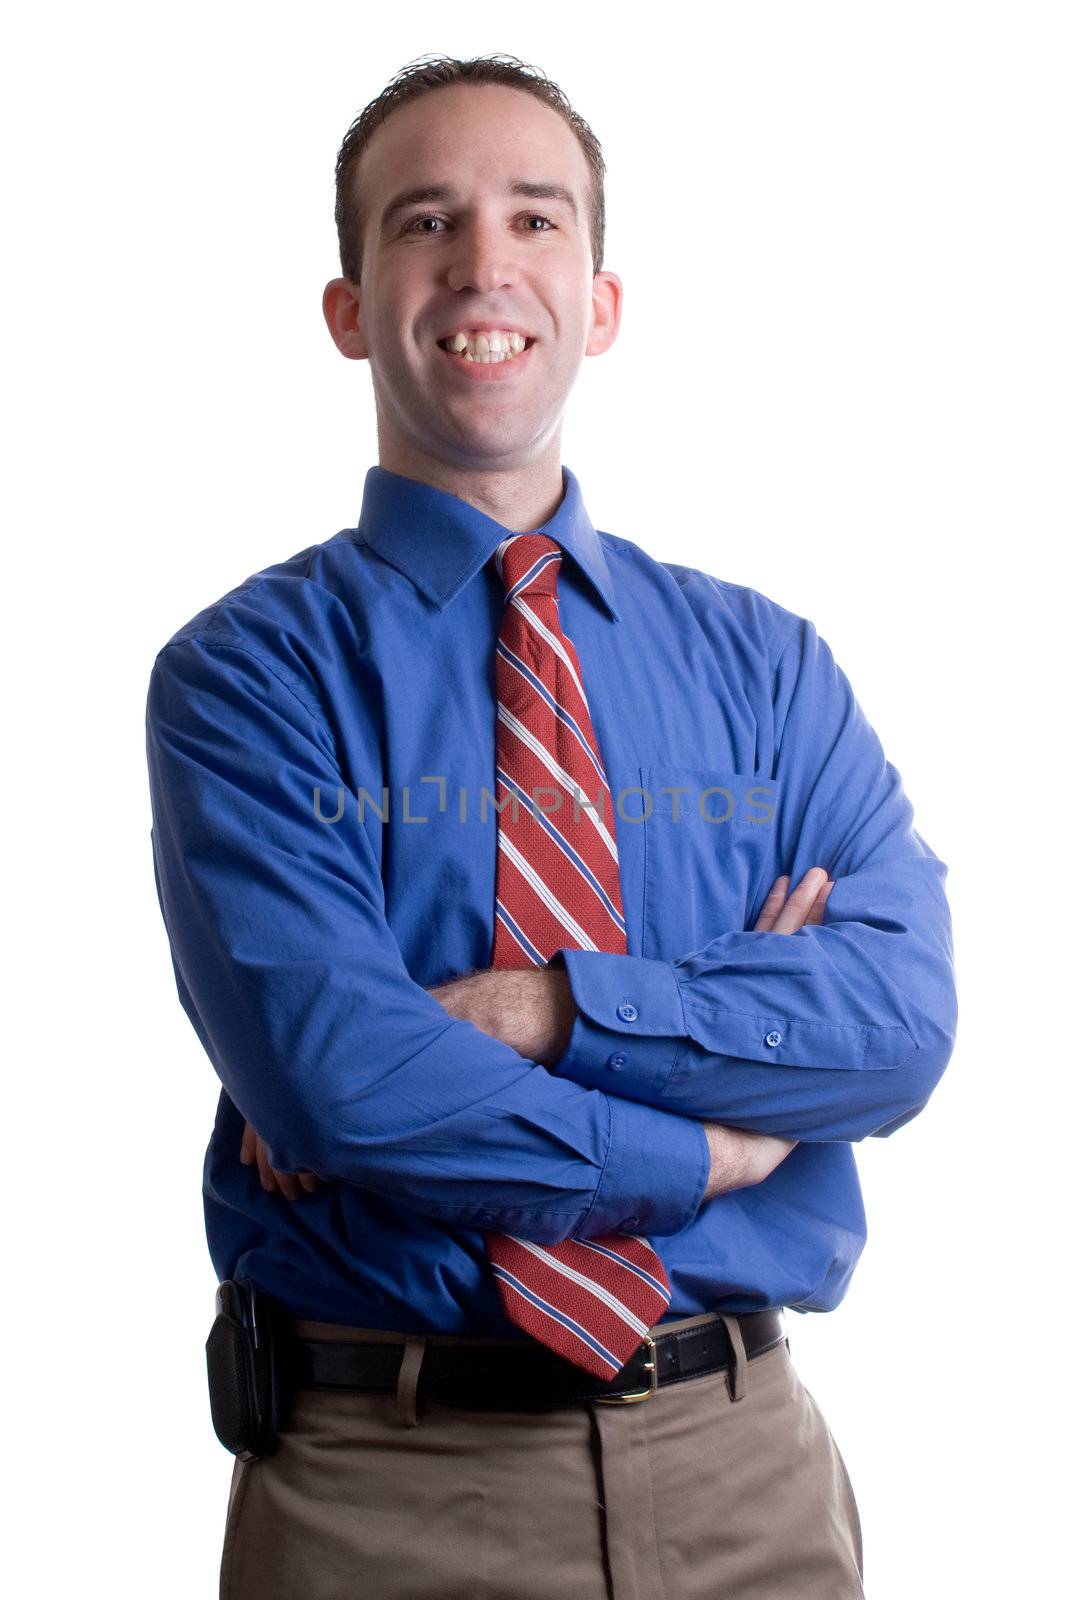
x=520 y=498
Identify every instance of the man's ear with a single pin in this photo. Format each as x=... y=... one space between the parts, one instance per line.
x=606 y=312
x=343 y=309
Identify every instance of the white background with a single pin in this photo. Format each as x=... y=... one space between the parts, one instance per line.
x=846 y=377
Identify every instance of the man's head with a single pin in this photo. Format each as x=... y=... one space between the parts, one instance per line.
x=469 y=201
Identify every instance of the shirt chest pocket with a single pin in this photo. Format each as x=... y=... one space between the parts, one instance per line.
x=709 y=841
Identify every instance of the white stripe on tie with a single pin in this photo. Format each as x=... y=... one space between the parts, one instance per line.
x=556 y=644
x=569 y=783
x=527 y=870
x=586 y=1283
x=567 y=719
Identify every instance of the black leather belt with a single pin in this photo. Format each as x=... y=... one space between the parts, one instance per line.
x=530 y=1378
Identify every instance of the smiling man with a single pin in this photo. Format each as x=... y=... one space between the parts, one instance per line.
x=470 y=287
x=555 y=924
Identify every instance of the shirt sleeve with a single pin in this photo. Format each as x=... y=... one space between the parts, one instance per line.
x=835 y=1032
x=291 y=976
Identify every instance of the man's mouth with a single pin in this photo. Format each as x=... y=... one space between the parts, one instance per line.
x=489 y=347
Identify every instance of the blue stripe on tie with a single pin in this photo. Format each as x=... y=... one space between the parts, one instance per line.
x=566 y=848
x=522 y=939
x=630 y=1266
x=559 y=1316
x=560 y=711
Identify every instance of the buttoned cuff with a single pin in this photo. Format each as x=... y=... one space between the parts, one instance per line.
x=655 y=1175
x=630 y=1028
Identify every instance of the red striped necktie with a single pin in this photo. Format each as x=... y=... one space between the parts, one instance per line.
x=556 y=884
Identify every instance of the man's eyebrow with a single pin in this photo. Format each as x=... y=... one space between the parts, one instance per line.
x=416 y=197
x=545 y=191
x=428 y=193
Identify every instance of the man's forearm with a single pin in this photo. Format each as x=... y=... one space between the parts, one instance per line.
x=532 y=1010
x=529 y=1008
x=740 y=1158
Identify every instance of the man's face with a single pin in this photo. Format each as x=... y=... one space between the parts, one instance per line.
x=478 y=258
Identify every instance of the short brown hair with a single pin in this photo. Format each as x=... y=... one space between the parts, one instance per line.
x=419 y=77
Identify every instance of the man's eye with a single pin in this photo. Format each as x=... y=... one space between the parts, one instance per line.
x=429 y=216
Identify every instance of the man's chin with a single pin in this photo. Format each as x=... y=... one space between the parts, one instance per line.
x=478 y=449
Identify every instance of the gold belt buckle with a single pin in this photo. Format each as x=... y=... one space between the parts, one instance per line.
x=651 y=1365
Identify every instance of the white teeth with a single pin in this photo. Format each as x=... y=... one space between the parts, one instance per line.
x=494 y=345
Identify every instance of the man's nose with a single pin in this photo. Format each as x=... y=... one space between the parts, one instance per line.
x=484 y=258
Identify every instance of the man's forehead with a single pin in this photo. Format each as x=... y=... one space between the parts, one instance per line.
x=487 y=134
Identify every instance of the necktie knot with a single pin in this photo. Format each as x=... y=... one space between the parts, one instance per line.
x=528 y=563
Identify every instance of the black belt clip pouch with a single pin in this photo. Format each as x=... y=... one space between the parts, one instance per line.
x=244 y=1366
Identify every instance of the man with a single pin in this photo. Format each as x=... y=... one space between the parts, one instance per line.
x=554 y=923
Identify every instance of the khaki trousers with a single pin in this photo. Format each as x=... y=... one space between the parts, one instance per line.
x=723 y=1487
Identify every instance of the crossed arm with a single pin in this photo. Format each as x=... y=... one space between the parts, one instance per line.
x=293 y=979
x=532 y=1009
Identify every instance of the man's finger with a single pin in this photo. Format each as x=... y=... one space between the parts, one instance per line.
x=291 y=1184
x=800 y=902
x=816 y=910
x=269 y=1182
x=772 y=906
x=288 y=1183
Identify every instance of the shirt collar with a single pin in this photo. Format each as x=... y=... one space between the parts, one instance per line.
x=441 y=542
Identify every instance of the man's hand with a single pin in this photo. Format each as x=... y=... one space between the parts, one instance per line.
x=741 y=1158
x=252 y=1148
x=786 y=914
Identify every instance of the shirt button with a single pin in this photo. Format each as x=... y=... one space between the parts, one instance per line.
x=617 y=1061
x=773 y=1038
x=627 y=1011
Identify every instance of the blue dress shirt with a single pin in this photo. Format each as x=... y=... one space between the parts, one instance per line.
x=321 y=753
